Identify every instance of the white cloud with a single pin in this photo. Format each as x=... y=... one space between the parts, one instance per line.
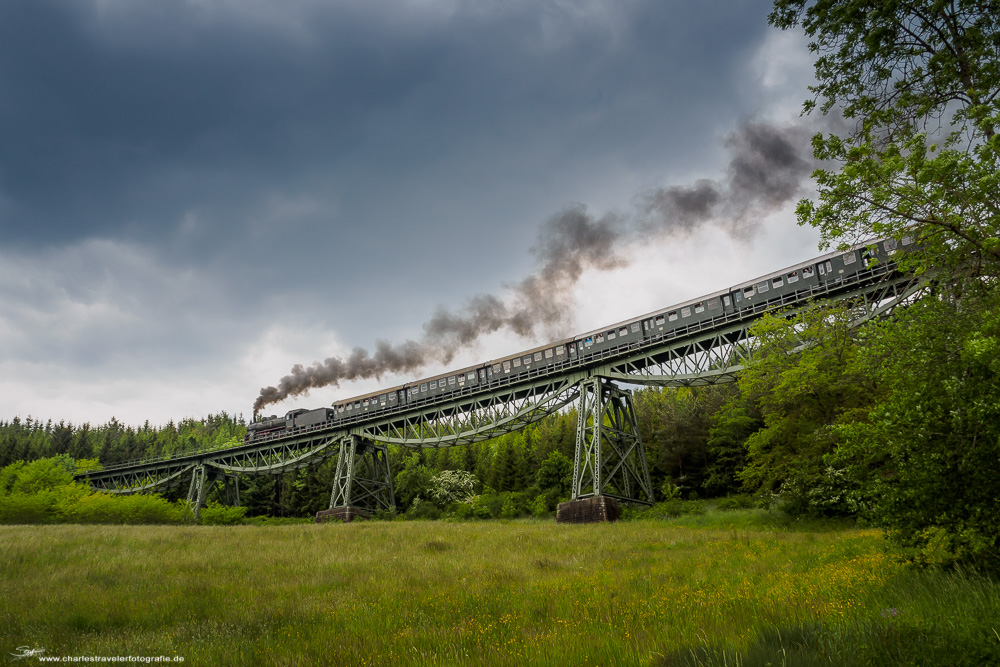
x=779 y=73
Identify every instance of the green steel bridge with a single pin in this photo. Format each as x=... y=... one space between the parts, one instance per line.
x=609 y=459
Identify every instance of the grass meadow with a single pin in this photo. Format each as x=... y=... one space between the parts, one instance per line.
x=732 y=588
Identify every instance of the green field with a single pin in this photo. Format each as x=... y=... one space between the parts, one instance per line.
x=726 y=588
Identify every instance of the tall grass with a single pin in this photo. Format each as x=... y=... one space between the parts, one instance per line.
x=742 y=590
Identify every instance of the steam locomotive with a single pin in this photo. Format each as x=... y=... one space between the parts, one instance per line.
x=793 y=284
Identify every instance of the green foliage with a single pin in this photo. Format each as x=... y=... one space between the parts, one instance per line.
x=452 y=486
x=741 y=502
x=731 y=427
x=555 y=472
x=43 y=492
x=413 y=481
x=217 y=514
x=675 y=425
x=920 y=82
x=930 y=452
x=34 y=477
x=39 y=507
x=806 y=378
x=133 y=509
x=539 y=506
x=421 y=509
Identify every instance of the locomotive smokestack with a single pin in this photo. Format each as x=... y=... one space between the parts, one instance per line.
x=768 y=167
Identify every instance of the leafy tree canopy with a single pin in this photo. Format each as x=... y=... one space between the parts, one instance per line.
x=918 y=85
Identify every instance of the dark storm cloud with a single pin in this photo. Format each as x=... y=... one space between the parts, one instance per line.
x=119 y=118
x=354 y=158
x=768 y=167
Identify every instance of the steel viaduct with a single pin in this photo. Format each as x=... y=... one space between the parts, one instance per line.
x=609 y=460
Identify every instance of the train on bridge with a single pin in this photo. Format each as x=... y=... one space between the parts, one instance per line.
x=791 y=285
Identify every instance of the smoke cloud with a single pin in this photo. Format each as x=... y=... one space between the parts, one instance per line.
x=768 y=167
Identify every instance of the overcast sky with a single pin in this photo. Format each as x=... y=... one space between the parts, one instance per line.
x=195 y=196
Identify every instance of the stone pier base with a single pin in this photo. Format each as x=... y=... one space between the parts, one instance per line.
x=596 y=509
x=344 y=514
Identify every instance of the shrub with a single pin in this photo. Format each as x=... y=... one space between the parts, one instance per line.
x=450 y=486
x=216 y=514
x=134 y=509
x=741 y=502
x=29 y=508
x=421 y=509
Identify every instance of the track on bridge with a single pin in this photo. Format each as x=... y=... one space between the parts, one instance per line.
x=610 y=459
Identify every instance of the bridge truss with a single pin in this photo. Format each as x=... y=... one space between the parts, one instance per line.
x=609 y=456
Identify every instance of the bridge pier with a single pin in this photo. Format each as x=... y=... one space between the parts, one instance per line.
x=362 y=484
x=609 y=464
x=203 y=478
x=197 y=490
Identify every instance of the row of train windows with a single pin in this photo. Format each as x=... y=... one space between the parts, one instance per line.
x=527 y=360
x=443 y=382
x=610 y=335
x=778 y=281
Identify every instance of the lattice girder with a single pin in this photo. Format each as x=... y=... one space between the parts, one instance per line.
x=476 y=418
x=609 y=459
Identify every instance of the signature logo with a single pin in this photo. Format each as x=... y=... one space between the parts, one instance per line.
x=25 y=652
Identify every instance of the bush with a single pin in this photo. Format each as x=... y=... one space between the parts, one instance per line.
x=741 y=502
x=421 y=509
x=29 y=508
x=450 y=486
x=216 y=514
x=134 y=509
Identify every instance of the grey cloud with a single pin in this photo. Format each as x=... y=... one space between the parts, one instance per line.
x=768 y=167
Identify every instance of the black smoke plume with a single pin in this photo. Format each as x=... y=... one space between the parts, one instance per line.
x=768 y=167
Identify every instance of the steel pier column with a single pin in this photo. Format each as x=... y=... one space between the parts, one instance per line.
x=362 y=483
x=196 y=491
x=610 y=459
